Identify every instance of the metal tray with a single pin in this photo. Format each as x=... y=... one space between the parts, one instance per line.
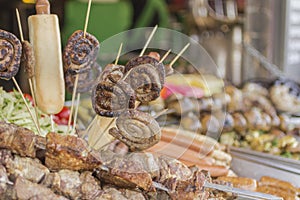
x=253 y=164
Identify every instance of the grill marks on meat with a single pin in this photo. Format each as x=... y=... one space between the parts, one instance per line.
x=136 y=129
x=27 y=58
x=146 y=76
x=10 y=54
x=109 y=99
x=80 y=52
x=69 y=152
x=17 y=139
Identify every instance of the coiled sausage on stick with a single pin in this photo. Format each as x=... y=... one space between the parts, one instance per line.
x=10 y=55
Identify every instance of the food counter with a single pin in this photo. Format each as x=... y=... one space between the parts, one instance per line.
x=157 y=122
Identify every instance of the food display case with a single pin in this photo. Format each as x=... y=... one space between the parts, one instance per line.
x=210 y=112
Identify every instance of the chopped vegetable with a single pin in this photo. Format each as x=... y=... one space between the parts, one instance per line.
x=13 y=110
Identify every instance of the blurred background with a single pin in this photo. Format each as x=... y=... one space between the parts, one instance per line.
x=246 y=38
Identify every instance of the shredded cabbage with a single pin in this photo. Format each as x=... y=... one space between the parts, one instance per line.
x=13 y=110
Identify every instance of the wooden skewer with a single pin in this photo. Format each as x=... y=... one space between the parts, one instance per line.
x=26 y=104
x=148 y=41
x=165 y=56
x=73 y=100
x=77 y=75
x=76 y=113
x=96 y=117
x=142 y=52
x=19 y=24
x=36 y=121
x=87 y=18
x=119 y=53
x=179 y=54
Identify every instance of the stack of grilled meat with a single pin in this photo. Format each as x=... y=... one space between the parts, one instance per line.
x=64 y=167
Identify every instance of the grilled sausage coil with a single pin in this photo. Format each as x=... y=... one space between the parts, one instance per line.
x=146 y=76
x=112 y=73
x=80 y=52
x=10 y=55
x=136 y=129
x=110 y=100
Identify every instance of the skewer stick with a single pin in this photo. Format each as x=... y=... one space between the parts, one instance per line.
x=148 y=41
x=96 y=117
x=26 y=104
x=179 y=54
x=52 y=122
x=87 y=17
x=19 y=24
x=73 y=100
x=119 y=53
x=29 y=80
x=76 y=112
x=77 y=75
x=165 y=56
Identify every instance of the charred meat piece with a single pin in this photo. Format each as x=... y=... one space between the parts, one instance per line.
x=5 y=156
x=80 y=52
x=17 y=139
x=112 y=73
x=90 y=188
x=171 y=168
x=27 y=59
x=69 y=184
x=28 y=168
x=147 y=160
x=27 y=190
x=73 y=185
x=10 y=55
x=69 y=152
x=183 y=182
x=145 y=81
x=192 y=188
x=110 y=100
x=146 y=75
x=138 y=130
x=135 y=62
x=125 y=173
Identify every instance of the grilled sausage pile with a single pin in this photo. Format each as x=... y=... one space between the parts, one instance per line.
x=141 y=79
